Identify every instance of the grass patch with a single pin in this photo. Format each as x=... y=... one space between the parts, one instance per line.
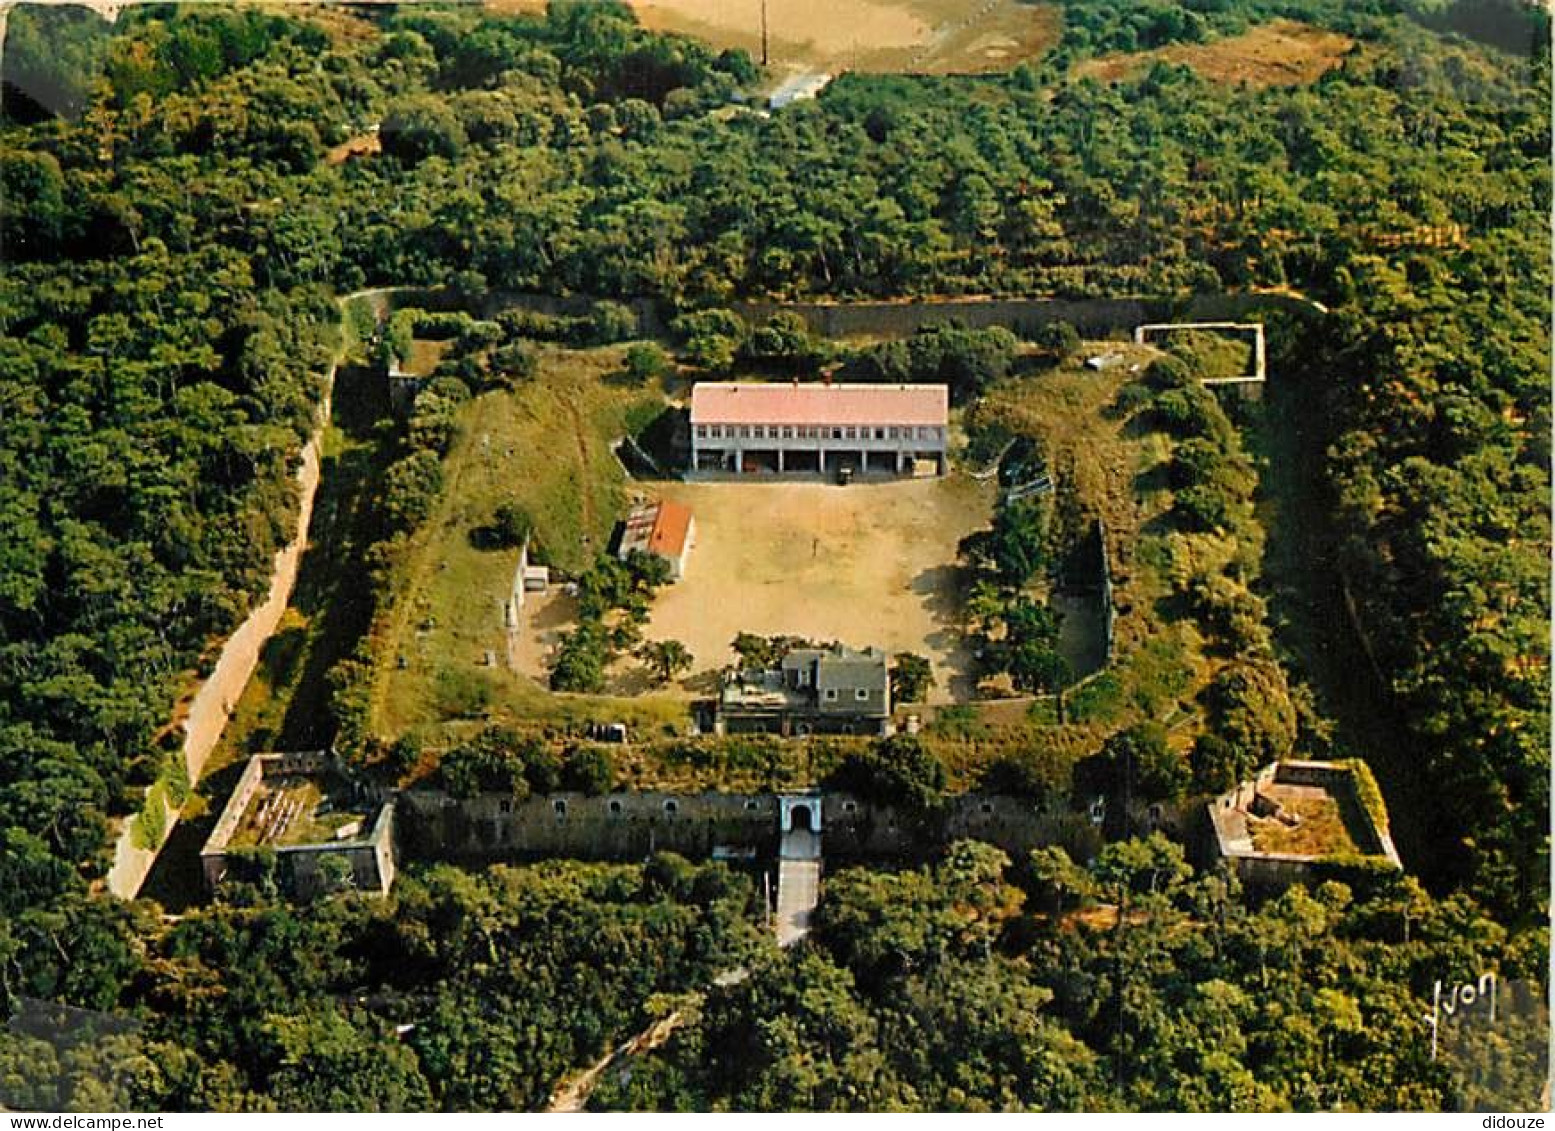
x=1101 y=700
x=545 y=447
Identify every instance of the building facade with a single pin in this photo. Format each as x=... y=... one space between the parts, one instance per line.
x=819 y=428
x=833 y=690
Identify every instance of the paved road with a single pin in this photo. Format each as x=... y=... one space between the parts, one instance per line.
x=799 y=884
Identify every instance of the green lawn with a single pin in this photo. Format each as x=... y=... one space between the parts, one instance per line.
x=547 y=447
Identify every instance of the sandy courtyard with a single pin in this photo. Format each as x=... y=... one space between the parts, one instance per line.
x=870 y=563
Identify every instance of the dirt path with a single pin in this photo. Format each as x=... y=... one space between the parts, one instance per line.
x=204 y=717
x=573 y=1096
x=580 y=437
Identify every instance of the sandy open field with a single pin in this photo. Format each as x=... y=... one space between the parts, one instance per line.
x=883 y=36
x=863 y=564
x=1278 y=53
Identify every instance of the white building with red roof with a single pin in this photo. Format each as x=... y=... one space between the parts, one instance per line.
x=819 y=428
x=664 y=528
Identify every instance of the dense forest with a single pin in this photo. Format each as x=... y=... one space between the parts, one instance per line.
x=177 y=223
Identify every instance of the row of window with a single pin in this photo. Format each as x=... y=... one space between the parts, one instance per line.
x=859 y=693
x=671 y=806
x=815 y=432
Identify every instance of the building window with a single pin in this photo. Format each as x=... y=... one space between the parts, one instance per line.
x=560 y=807
x=861 y=694
x=987 y=808
x=745 y=431
x=836 y=433
x=701 y=431
x=615 y=808
x=788 y=432
x=752 y=806
x=716 y=431
x=671 y=807
x=849 y=806
x=831 y=694
x=504 y=806
x=880 y=433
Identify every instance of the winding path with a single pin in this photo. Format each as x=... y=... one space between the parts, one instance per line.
x=213 y=703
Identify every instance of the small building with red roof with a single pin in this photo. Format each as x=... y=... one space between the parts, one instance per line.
x=663 y=528
x=818 y=428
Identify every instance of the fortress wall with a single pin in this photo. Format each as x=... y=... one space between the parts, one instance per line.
x=630 y=826
x=1093 y=317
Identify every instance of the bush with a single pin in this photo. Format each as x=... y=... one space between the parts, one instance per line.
x=514 y=360
x=510 y=526
x=898 y=771
x=715 y=323
x=645 y=362
x=1014 y=775
x=1250 y=710
x=460 y=693
x=1136 y=761
x=1165 y=373
x=1189 y=412
x=1131 y=398
x=411 y=488
x=588 y=769
x=484 y=765
x=1058 y=338
x=611 y=322
x=150 y=824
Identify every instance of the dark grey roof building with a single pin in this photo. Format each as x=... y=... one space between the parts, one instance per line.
x=832 y=690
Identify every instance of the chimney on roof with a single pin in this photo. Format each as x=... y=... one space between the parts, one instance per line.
x=796 y=380
x=826 y=378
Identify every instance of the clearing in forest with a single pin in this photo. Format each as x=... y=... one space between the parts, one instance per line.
x=1278 y=53
x=875 y=36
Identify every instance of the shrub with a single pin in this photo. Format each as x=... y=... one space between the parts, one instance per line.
x=645 y=362
x=611 y=322
x=1059 y=338
x=510 y=525
x=1015 y=775
x=898 y=771
x=411 y=488
x=588 y=769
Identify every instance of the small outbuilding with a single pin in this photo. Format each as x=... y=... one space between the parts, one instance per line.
x=663 y=528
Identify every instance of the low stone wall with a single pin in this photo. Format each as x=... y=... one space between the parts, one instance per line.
x=218 y=695
x=303 y=870
x=1093 y=317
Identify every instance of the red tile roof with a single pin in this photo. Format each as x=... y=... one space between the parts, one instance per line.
x=730 y=402
x=657 y=528
x=670 y=529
